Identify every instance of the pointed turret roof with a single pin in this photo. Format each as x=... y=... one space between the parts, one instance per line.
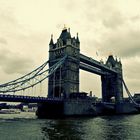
x=51 y=41
x=111 y=60
x=65 y=34
x=77 y=39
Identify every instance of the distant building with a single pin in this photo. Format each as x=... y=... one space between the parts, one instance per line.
x=136 y=96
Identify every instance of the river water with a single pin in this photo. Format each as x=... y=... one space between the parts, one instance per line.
x=26 y=126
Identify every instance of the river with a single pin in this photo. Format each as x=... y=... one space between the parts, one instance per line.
x=26 y=126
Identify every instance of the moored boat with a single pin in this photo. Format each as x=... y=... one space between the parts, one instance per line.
x=9 y=111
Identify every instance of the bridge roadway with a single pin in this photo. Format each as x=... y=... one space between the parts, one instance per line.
x=27 y=99
x=91 y=65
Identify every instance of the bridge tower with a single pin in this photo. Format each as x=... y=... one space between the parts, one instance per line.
x=66 y=78
x=112 y=83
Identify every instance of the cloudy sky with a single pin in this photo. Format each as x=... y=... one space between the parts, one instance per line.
x=104 y=26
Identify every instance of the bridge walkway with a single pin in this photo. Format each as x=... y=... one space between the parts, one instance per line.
x=27 y=99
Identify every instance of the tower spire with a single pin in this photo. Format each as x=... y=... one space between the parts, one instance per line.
x=77 y=39
x=64 y=28
x=51 y=41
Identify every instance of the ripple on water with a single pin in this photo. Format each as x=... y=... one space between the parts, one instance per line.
x=27 y=126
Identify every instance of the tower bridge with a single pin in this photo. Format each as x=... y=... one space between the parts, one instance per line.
x=65 y=61
x=111 y=72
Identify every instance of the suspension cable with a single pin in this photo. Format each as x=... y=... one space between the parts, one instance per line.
x=37 y=69
x=40 y=88
x=51 y=69
x=32 y=80
x=54 y=84
x=129 y=94
x=60 y=83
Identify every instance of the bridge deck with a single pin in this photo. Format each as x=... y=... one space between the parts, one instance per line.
x=27 y=99
x=91 y=69
x=94 y=63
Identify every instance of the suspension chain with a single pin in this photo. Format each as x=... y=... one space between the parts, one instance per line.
x=60 y=82
x=129 y=94
x=33 y=78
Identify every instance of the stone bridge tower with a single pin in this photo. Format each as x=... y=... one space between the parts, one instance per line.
x=66 y=78
x=112 y=83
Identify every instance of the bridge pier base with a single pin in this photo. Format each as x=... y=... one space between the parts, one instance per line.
x=66 y=108
x=50 y=110
x=126 y=108
x=82 y=107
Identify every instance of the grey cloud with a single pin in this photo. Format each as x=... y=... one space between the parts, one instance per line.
x=117 y=33
x=17 y=37
x=69 y=5
x=124 y=44
x=114 y=20
x=8 y=21
x=7 y=17
x=135 y=18
x=133 y=65
x=13 y=63
x=97 y=4
x=131 y=69
x=96 y=10
x=3 y=41
x=9 y=25
x=18 y=65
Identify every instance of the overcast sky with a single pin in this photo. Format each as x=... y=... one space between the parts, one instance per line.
x=104 y=26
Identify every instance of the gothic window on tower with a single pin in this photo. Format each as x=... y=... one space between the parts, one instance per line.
x=62 y=52
x=74 y=52
x=74 y=43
